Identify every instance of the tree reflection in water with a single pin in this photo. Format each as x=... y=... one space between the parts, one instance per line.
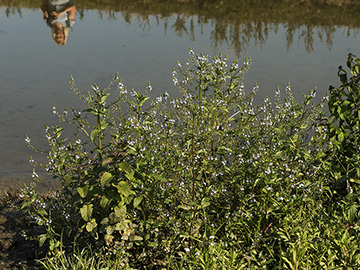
x=234 y=22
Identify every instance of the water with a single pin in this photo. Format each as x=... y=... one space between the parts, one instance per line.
x=34 y=71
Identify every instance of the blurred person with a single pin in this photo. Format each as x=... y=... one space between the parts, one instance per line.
x=59 y=15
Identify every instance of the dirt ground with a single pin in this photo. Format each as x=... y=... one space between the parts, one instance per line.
x=16 y=250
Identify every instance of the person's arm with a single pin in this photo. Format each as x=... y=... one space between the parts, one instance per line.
x=72 y=13
x=71 y=9
x=45 y=12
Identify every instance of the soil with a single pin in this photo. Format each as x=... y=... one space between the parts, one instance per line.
x=18 y=247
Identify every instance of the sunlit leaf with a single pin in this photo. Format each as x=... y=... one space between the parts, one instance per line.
x=185 y=207
x=86 y=211
x=124 y=188
x=91 y=225
x=83 y=191
x=125 y=167
x=205 y=202
x=105 y=179
x=120 y=211
x=137 y=201
x=104 y=201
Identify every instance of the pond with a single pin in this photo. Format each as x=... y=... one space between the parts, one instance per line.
x=301 y=42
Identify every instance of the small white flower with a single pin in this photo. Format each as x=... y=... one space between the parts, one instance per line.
x=175 y=80
x=313 y=93
x=159 y=99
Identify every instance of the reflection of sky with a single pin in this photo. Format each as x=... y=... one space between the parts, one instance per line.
x=34 y=71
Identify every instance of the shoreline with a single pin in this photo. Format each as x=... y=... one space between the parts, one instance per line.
x=12 y=182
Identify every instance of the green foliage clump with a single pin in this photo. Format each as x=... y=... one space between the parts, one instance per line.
x=208 y=180
x=344 y=106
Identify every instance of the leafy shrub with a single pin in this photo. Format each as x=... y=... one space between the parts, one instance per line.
x=205 y=181
x=344 y=106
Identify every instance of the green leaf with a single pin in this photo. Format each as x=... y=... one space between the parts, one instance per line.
x=42 y=239
x=26 y=204
x=58 y=132
x=185 y=207
x=130 y=176
x=124 y=188
x=104 y=221
x=345 y=104
x=104 y=97
x=53 y=244
x=120 y=226
x=104 y=202
x=352 y=214
x=42 y=212
x=125 y=167
x=205 y=202
x=93 y=134
x=143 y=100
x=110 y=229
x=32 y=199
x=105 y=179
x=90 y=111
x=137 y=238
x=91 y=225
x=83 y=191
x=104 y=126
x=152 y=244
x=341 y=137
x=107 y=161
x=137 y=201
x=86 y=211
x=120 y=212
x=108 y=238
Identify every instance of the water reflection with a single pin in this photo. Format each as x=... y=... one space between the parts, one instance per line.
x=59 y=15
x=236 y=23
x=240 y=23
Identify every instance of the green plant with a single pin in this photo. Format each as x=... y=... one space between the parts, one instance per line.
x=86 y=259
x=344 y=106
x=205 y=181
x=92 y=207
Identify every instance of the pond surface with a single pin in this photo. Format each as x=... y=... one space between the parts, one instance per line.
x=302 y=45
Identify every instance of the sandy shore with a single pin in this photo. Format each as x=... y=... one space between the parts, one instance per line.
x=13 y=182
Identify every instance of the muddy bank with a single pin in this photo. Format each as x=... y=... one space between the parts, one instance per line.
x=19 y=248
x=13 y=182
